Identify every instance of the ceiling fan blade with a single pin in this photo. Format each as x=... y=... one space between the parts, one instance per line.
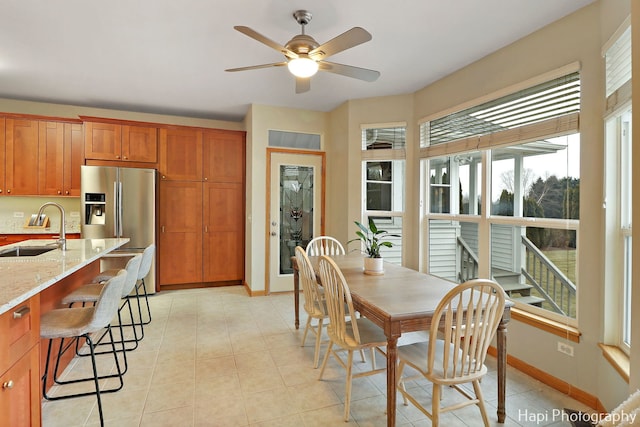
x=256 y=67
x=349 y=71
x=303 y=84
x=346 y=40
x=265 y=40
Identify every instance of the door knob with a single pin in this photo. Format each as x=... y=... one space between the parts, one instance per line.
x=273 y=233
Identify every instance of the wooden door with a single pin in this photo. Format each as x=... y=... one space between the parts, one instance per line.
x=73 y=158
x=20 y=403
x=2 y=157
x=51 y=158
x=21 y=157
x=181 y=154
x=103 y=141
x=139 y=144
x=224 y=156
x=180 y=232
x=223 y=237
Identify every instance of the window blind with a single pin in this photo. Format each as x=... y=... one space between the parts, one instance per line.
x=552 y=99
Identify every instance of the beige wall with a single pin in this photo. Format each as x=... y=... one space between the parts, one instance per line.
x=263 y=118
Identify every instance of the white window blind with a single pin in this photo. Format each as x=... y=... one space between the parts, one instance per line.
x=618 y=62
x=549 y=100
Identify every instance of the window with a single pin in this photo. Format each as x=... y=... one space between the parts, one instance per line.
x=383 y=153
x=618 y=192
x=530 y=144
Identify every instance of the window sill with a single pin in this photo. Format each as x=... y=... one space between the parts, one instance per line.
x=554 y=327
x=618 y=359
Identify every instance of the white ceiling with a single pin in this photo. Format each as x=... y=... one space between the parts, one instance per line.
x=169 y=57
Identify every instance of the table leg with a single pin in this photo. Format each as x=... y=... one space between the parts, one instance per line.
x=502 y=369
x=296 y=294
x=392 y=358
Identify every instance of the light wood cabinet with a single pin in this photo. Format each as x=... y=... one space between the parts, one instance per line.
x=2 y=156
x=20 y=365
x=120 y=142
x=210 y=164
x=61 y=153
x=180 y=234
x=21 y=157
x=181 y=154
x=73 y=158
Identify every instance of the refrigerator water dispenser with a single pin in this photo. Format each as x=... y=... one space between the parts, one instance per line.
x=95 y=204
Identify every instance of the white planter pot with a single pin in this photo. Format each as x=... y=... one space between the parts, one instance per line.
x=373 y=266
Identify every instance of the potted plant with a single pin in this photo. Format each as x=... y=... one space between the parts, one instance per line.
x=372 y=239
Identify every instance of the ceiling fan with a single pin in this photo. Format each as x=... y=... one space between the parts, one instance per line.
x=304 y=56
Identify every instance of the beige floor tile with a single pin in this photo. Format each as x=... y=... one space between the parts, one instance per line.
x=216 y=357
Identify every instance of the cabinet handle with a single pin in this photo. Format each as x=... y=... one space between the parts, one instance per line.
x=163 y=228
x=0 y=190
x=66 y=192
x=206 y=179
x=59 y=192
x=7 y=385
x=117 y=157
x=8 y=191
x=23 y=311
x=164 y=177
x=125 y=157
x=206 y=229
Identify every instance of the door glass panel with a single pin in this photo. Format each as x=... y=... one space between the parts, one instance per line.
x=296 y=211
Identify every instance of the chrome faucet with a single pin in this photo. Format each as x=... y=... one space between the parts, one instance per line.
x=62 y=240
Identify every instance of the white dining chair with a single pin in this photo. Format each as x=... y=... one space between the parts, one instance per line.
x=463 y=325
x=324 y=245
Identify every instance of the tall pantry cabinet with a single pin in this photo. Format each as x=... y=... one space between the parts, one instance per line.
x=201 y=224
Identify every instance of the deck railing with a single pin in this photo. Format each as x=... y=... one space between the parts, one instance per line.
x=552 y=284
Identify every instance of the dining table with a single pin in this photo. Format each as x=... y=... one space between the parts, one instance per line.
x=401 y=300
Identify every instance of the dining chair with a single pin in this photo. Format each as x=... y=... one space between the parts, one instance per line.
x=463 y=325
x=345 y=330
x=81 y=322
x=324 y=245
x=314 y=303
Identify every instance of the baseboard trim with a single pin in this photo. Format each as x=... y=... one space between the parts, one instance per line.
x=253 y=293
x=553 y=382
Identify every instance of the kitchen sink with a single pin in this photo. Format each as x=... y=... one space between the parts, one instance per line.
x=25 y=251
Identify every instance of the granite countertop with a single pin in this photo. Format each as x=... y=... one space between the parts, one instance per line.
x=23 y=277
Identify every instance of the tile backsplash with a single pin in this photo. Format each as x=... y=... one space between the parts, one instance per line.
x=16 y=210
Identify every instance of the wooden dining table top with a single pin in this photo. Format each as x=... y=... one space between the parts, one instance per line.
x=388 y=292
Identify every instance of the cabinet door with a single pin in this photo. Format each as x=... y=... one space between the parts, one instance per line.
x=20 y=392
x=51 y=158
x=223 y=238
x=73 y=158
x=180 y=232
x=224 y=157
x=21 y=157
x=181 y=154
x=103 y=141
x=139 y=144
x=2 y=156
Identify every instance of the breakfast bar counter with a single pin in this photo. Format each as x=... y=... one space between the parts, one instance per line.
x=25 y=276
x=33 y=280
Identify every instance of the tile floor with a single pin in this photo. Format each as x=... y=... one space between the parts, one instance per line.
x=216 y=357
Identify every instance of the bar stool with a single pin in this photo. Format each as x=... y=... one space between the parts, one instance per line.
x=81 y=322
x=91 y=292
x=145 y=267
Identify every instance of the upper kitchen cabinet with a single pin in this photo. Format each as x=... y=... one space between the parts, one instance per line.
x=181 y=154
x=120 y=142
x=2 y=151
x=61 y=153
x=224 y=153
x=21 y=157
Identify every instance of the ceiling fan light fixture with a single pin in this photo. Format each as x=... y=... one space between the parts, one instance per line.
x=302 y=67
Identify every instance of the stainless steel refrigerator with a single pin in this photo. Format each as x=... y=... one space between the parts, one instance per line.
x=120 y=202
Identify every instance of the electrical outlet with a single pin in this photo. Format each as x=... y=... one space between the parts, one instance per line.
x=565 y=348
